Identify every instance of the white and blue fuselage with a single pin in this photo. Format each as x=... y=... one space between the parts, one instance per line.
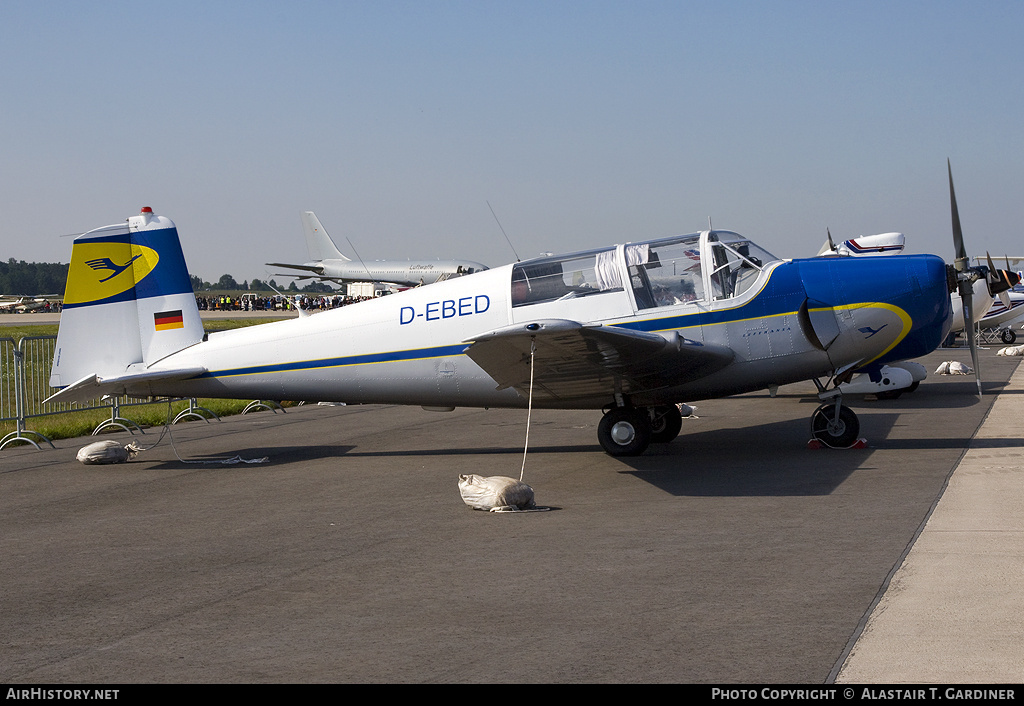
x=750 y=321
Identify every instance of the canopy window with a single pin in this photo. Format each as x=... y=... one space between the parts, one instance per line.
x=565 y=277
x=666 y=273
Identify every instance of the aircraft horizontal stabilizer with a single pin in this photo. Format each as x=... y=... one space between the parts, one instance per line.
x=93 y=387
x=577 y=361
x=307 y=268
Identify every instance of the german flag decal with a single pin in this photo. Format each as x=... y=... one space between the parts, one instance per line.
x=166 y=320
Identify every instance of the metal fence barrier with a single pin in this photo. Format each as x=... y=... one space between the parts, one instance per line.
x=25 y=384
x=10 y=389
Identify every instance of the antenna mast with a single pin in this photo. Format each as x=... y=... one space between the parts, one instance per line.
x=503 y=232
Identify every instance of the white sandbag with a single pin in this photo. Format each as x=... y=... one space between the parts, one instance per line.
x=102 y=452
x=953 y=367
x=495 y=492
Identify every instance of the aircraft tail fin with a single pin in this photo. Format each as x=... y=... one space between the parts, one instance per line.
x=128 y=301
x=319 y=244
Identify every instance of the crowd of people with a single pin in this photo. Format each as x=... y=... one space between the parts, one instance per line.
x=275 y=302
x=248 y=302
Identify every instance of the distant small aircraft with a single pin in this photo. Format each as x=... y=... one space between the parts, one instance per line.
x=12 y=305
x=862 y=245
x=1007 y=305
x=327 y=263
x=634 y=329
x=1001 y=314
x=23 y=304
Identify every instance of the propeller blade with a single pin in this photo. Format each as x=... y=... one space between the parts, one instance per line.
x=966 y=278
x=828 y=247
x=1005 y=299
x=958 y=235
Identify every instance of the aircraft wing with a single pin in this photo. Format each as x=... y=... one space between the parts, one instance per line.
x=576 y=361
x=320 y=271
x=93 y=387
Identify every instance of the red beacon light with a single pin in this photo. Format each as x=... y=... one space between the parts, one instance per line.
x=144 y=218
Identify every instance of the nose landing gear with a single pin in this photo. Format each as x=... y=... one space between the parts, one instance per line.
x=833 y=423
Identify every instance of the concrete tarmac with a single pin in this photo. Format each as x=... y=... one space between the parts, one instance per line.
x=952 y=610
x=733 y=555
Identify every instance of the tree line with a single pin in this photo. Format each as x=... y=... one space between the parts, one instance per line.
x=32 y=278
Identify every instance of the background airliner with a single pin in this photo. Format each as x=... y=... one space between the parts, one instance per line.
x=327 y=263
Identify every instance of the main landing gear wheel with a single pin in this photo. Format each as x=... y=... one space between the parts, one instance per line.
x=1008 y=335
x=625 y=431
x=666 y=421
x=838 y=433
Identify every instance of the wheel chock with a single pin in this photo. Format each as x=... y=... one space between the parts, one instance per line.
x=858 y=444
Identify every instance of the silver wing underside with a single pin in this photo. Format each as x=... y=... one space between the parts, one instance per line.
x=577 y=362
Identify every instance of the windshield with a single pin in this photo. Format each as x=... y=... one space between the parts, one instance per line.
x=737 y=262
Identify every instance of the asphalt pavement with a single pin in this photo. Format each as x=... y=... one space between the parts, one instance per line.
x=733 y=555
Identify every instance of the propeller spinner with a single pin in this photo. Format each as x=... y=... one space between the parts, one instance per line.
x=1001 y=281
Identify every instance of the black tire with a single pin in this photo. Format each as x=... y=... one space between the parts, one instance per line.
x=1008 y=335
x=624 y=431
x=666 y=422
x=840 y=435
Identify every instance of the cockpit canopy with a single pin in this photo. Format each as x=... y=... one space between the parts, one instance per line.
x=706 y=266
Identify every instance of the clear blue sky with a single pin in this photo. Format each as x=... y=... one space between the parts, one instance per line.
x=582 y=123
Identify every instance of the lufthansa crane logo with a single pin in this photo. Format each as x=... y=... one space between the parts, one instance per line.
x=105 y=263
x=869 y=332
x=107 y=271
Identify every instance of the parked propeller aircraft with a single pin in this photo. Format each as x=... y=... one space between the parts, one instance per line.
x=327 y=263
x=1000 y=313
x=22 y=304
x=632 y=329
x=864 y=245
x=13 y=304
x=1007 y=304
